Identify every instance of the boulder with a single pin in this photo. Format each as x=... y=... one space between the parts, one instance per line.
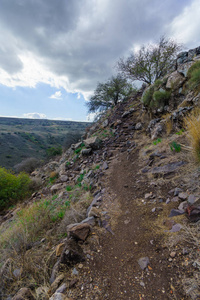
x=183 y=68
x=86 y=152
x=79 y=231
x=72 y=253
x=175 y=80
x=56 y=187
x=93 y=142
x=24 y=294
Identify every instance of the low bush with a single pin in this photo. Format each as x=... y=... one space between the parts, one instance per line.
x=54 y=151
x=147 y=96
x=28 y=165
x=12 y=187
x=194 y=77
x=160 y=99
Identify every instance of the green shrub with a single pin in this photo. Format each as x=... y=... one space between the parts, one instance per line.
x=147 y=96
x=175 y=146
x=12 y=188
x=160 y=99
x=193 y=68
x=53 y=151
x=157 y=141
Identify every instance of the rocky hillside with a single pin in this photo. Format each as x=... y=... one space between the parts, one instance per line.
x=117 y=216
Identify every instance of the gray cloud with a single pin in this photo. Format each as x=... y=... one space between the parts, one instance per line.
x=81 y=39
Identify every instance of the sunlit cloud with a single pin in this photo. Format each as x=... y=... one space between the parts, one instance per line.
x=34 y=116
x=57 y=95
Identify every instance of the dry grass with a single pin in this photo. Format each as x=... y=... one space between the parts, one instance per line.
x=192 y=124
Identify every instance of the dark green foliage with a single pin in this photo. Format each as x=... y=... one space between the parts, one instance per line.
x=109 y=94
x=194 y=75
x=12 y=188
x=157 y=141
x=54 y=151
x=175 y=146
x=150 y=62
x=147 y=96
x=160 y=99
x=79 y=149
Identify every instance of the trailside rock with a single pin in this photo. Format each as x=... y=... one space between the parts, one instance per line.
x=24 y=294
x=93 y=142
x=79 y=231
x=143 y=262
x=175 y=80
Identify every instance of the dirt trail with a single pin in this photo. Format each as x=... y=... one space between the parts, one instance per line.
x=115 y=268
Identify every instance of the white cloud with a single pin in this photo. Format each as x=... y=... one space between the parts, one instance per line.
x=76 y=43
x=57 y=95
x=185 y=27
x=34 y=116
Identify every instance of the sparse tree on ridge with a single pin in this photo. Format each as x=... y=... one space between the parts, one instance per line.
x=150 y=62
x=108 y=94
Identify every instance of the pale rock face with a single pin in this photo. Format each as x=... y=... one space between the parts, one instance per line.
x=93 y=142
x=175 y=80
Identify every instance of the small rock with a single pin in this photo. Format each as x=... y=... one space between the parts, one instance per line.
x=177 y=191
x=105 y=165
x=175 y=199
x=167 y=201
x=191 y=199
x=74 y=272
x=175 y=228
x=80 y=266
x=143 y=262
x=59 y=249
x=183 y=205
x=148 y=195
x=17 y=273
x=183 y=196
x=185 y=251
x=173 y=254
x=176 y=212
x=57 y=282
x=79 y=231
x=138 y=126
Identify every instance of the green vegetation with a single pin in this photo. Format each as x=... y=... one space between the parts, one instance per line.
x=147 y=96
x=175 y=146
x=22 y=139
x=78 y=150
x=194 y=77
x=151 y=62
x=157 y=141
x=54 y=151
x=108 y=94
x=12 y=188
x=160 y=98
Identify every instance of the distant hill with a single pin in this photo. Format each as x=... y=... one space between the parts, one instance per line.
x=24 y=138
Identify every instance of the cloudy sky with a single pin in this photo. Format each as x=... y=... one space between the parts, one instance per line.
x=54 y=52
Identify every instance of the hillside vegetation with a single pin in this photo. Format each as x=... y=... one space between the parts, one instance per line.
x=24 y=138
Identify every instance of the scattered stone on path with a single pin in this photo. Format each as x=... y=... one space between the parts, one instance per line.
x=74 y=271
x=176 y=212
x=143 y=262
x=173 y=254
x=176 y=227
x=105 y=165
x=191 y=199
x=79 y=231
x=183 y=196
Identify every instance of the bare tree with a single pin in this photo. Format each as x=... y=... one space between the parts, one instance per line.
x=151 y=62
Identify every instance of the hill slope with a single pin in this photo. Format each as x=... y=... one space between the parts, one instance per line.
x=24 y=138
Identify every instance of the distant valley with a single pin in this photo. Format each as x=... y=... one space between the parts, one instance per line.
x=24 y=138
